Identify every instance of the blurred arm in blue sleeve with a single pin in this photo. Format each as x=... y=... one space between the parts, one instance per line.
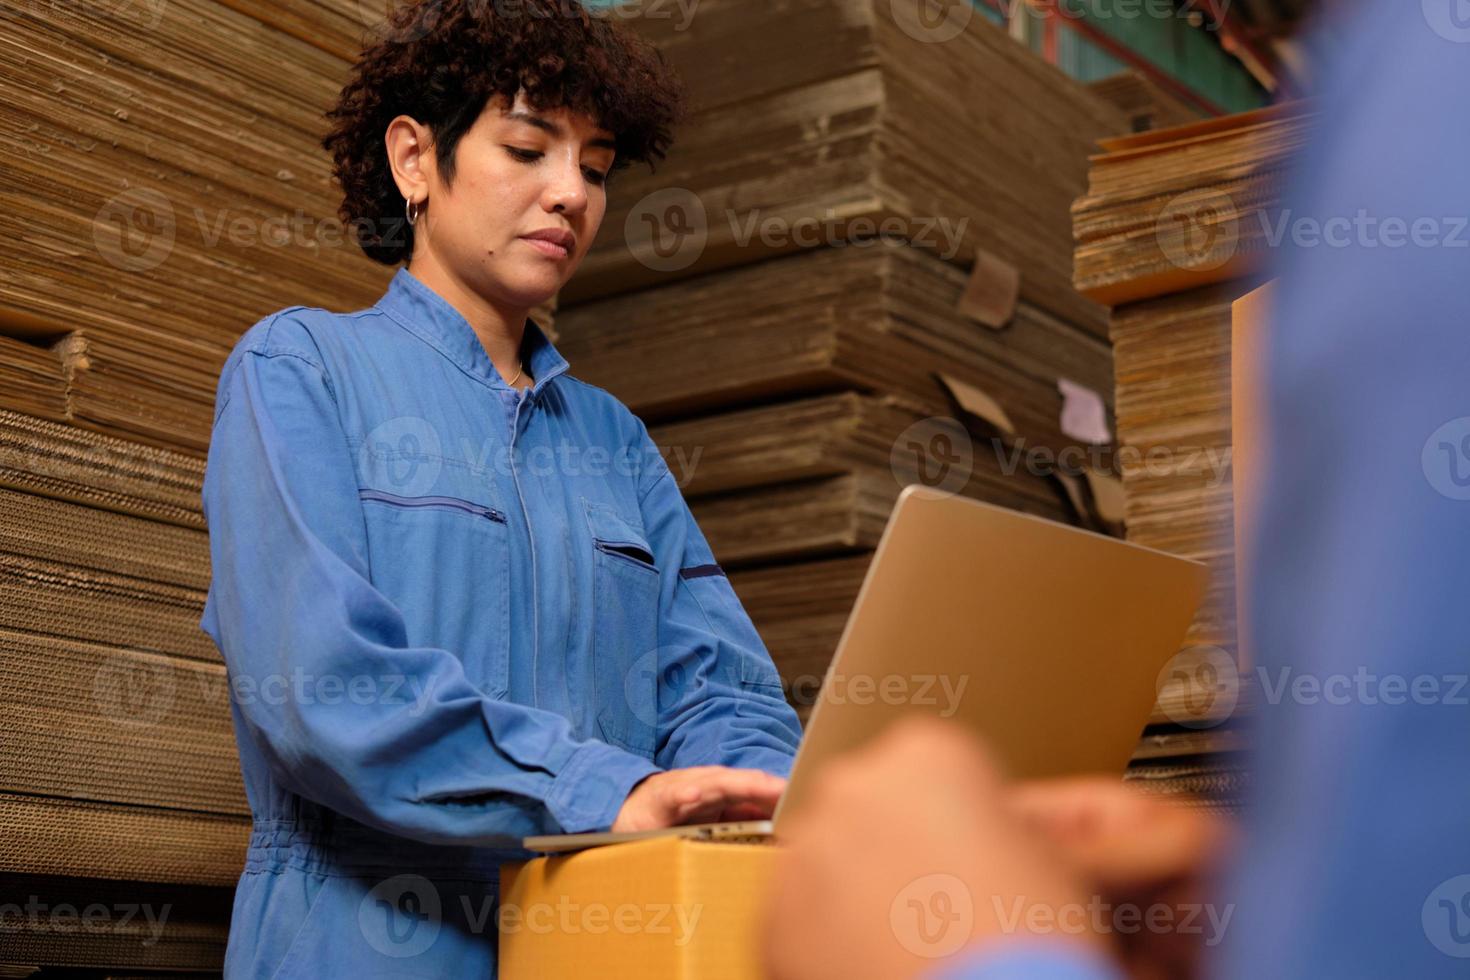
x=720 y=697
x=1363 y=802
x=291 y=596
x=1358 y=853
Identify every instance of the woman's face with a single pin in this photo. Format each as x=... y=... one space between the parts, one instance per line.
x=518 y=172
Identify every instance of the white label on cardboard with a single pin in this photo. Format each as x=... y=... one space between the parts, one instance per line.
x=1084 y=416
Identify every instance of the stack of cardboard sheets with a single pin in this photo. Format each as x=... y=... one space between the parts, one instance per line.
x=1147 y=104
x=120 y=760
x=32 y=379
x=165 y=186
x=1183 y=207
x=1175 y=229
x=819 y=119
x=163 y=173
x=843 y=277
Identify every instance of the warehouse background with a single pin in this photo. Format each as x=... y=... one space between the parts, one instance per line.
x=1019 y=287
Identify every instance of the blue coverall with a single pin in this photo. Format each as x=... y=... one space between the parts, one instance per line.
x=454 y=614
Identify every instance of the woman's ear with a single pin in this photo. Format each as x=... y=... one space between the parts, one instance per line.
x=409 y=156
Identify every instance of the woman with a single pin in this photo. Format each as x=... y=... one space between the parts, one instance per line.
x=459 y=593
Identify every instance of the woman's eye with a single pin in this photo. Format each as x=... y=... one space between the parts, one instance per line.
x=531 y=156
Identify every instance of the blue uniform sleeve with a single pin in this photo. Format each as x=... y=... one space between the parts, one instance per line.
x=1358 y=856
x=291 y=597
x=720 y=701
x=1027 y=959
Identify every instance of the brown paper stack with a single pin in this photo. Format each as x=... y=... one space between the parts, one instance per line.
x=1147 y=104
x=819 y=475
x=165 y=185
x=135 y=926
x=879 y=319
x=31 y=379
x=1178 y=208
x=166 y=179
x=163 y=188
x=1175 y=282
x=815 y=117
x=801 y=395
x=120 y=761
x=796 y=384
x=119 y=716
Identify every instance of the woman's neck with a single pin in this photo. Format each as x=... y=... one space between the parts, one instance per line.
x=500 y=330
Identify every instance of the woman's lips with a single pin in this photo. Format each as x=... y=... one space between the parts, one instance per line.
x=549 y=249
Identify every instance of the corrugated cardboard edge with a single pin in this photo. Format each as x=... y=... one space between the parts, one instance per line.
x=1250 y=332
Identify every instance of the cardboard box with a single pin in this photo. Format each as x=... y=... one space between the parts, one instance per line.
x=665 y=907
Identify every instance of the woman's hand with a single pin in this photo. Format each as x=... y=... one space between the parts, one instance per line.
x=702 y=794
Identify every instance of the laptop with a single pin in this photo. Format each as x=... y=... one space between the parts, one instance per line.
x=1044 y=639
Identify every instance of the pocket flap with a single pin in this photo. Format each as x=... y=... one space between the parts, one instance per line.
x=610 y=528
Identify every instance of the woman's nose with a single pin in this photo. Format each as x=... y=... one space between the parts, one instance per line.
x=566 y=187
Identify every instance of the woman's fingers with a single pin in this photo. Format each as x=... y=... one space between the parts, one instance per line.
x=707 y=793
x=701 y=794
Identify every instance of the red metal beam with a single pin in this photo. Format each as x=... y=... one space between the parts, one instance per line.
x=1260 y=63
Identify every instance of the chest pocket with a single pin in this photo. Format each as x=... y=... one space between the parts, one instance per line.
x=445 y=562
x=625 y=631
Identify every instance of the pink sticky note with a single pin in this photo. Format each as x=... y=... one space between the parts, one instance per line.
x=1084 y=416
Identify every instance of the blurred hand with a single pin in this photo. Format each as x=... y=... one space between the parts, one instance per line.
x=1140 y=851
x=701 y=794
x=905 y=852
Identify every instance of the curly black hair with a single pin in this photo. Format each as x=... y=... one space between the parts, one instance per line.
x=440 y=61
